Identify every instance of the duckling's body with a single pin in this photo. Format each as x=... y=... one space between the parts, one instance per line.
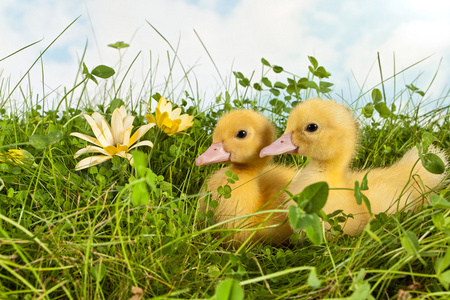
x=260 y=183
x=327 y=132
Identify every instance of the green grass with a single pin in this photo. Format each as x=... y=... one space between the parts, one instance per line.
x=67 y=234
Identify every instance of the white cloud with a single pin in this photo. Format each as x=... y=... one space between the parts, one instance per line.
x=343 y=36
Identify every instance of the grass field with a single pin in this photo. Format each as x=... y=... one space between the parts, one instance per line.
x=113 y=231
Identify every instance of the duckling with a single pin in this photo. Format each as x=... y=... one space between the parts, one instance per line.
x=237 y=140
x=326 y=132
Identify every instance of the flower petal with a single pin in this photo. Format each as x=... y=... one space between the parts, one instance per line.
x=107 y=132
x=126 y=135
x=186 y=122
x=128 y=122
x=123 y=111
x=150 y=118
x=164 y=105
x=142 y=143
x=117 y=127
x=91 y=161
x=175 y=113
x=90 y=149
x=98 y=119
x=97 y=129
x=111 y=150
x=160 y=117
x=139 y=133
x=124 y=154
x=86 y=138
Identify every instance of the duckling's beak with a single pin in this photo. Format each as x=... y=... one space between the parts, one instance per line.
x=214 y=154
x=282 y=145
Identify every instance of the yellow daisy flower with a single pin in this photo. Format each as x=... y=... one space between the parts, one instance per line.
x=110 y=140
x=17 y=156
x=168 y=120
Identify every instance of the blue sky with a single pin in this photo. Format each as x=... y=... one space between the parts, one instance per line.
x=345 y=36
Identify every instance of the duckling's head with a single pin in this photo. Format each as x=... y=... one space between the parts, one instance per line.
x=238 y=138
x=322 y=129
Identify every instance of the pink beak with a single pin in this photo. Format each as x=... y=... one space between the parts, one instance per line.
x=214 y=154
x=282 y=145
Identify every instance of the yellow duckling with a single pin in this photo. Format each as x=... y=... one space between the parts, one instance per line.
x=326 y=132
x=237 y=139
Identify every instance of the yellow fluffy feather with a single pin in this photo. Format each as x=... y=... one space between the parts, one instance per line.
x=237 y=139
x=326 y=132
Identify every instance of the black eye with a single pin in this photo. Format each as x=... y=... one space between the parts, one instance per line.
x=312 y=127
x=241 y=134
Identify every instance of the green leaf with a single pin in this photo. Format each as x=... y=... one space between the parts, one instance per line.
x=266 y=82
x=98 y=272
x=364 y=183
x=213 y=271
x=116 y=103
x=140 y=163
x=302 y=83
x=277 y=69
x=312 y=85
x=438 y=220
x=38 y=141
x=437 y=201
x=313 y=197
x=324 y=87
x=313 y=62
x=229 y=289
x=368 y=110
x=54 y=137
x=367 y=203
x=239 y=75
x=265 y=62
x=376 y=96
x=442 y=263
x=244 y=82
x=298 y=219
x=321 y=72
x=220 y=190
x=228 y=173
x=314 y=232
x=275 y=92
x=444 y=279
x=358 y=194
x=382 y=109
x=427 y=140
x=433 y=163
x=226 y=189
x=294 y=216
x=103 y=71
x=230 y=180
x=280 y=85
x=277 y=103
x=257 y=86
x=362 y=291
x=140 y=195
x=85 y=69
x=313 y=281
x=89 y=76
x=360 y=197
x=410 y=243
x=151 y=179
x=119 y=45
x=414 y=89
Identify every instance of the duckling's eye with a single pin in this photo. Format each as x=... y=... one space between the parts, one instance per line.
x=241 y=134
x=312 y=127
